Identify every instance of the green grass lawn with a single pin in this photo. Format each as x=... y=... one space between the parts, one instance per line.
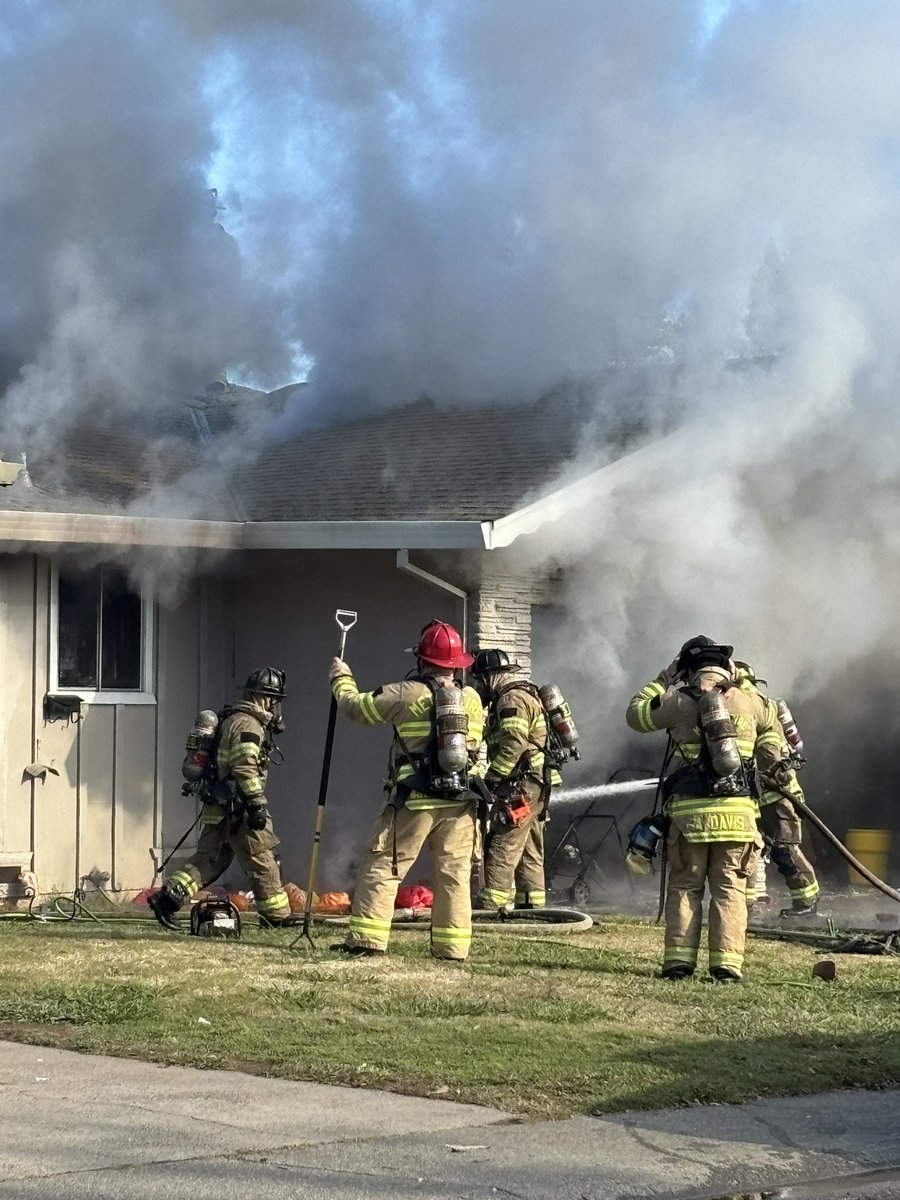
x=545 y=1024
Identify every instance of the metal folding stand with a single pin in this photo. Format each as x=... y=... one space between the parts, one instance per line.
x=584 y=855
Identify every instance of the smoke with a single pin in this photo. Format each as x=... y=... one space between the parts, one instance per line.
x=119 y=288
x=479 y=200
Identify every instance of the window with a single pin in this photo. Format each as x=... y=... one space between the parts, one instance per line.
x=102 y=630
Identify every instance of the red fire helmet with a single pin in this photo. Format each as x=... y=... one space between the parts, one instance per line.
x=440 y=645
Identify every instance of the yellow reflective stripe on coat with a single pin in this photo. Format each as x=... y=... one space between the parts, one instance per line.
x=769 y=739
x=475 y=712
x=688 y=805
x=642 y=702
x=516 y=724
x=688 y=751
x=418 y=802
x=411 y=729
x=240 y=752
x=712 y=820
x=344 y=689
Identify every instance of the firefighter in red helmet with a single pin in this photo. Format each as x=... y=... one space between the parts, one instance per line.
x=438 y=729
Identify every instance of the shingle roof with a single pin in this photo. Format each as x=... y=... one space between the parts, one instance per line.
x=420 y=461
x=103 y=468
x=424 y=462
x=107 y=464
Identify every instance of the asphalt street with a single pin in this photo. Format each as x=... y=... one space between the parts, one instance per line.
x=95 y=1128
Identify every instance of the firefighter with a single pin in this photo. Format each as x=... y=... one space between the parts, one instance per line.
x=426 y=804
x=717 y=733
x=519 y=777
x=235 y=820
x=780 y=825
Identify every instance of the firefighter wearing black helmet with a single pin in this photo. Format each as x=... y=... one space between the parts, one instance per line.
x=717 y=733
x=235 y=820
x=520 y=779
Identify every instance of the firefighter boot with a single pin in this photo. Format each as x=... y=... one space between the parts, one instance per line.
x=266 y=922
x=676 y=971
x=723 y=975
x=801 y=908
x=165 y=904
x=358 y=951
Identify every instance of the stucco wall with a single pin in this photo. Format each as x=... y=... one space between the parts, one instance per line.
x=282 y=608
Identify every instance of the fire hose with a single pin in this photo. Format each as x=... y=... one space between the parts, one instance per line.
x=488 y=920
x=833 y=840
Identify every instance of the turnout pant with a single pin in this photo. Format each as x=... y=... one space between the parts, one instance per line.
x=450 y=834
x=529 y=877
x=780 y=823
x=219 y=845
x=514 y=861
x=723 y=868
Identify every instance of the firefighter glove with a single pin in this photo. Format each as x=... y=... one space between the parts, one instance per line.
x=338 y=667
x=257 y=815
x=670 y=674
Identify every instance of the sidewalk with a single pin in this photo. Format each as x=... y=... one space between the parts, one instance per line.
x=95 y=1128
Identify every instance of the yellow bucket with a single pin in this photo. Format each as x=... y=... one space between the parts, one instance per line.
x=871 y=847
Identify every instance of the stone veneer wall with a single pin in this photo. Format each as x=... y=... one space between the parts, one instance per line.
x=500 y=614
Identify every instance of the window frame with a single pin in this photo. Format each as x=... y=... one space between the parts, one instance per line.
x=146 y=694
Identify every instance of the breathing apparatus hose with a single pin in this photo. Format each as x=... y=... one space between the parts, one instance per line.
x=833 y=840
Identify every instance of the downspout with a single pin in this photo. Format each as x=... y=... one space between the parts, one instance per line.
x=403 y=564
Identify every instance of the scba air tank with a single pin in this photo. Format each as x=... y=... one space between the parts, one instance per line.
x=200 y=745
x=789 y=725
x=451 y=725
x=560 y=717
x=720 y=734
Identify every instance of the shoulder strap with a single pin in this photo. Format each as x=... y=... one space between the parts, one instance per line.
x=523 y=685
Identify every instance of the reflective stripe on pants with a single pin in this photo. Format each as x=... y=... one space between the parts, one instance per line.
x=450 y=834
x=724 y=868
x=217 y=848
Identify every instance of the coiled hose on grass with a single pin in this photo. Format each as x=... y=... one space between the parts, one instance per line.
x=490 y=920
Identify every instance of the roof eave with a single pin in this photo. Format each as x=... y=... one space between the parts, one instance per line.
x=18 y=529
x=657 y=456
x=364 y=535
x=21 y=529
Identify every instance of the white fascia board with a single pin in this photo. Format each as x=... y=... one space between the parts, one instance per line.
x=364 y=535
x=658 y=456
x=22 y=529
x=28 y=528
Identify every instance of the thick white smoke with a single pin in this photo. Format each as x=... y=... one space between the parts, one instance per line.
x=476 y=200
x=119 y=289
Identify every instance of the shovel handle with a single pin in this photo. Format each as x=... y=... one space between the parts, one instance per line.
x=346 y=619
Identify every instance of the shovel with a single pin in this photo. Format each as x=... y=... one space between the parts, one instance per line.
x=345 y=620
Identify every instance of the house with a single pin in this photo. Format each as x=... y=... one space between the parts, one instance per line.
x=147 y=567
